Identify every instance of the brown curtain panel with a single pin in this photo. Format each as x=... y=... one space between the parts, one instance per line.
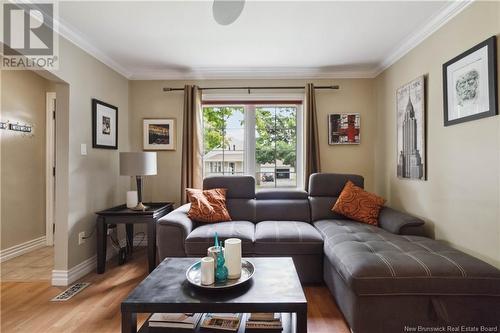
x=192 y=159
x=312 y=158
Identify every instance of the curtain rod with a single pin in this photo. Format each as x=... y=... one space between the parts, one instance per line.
x=336 y=87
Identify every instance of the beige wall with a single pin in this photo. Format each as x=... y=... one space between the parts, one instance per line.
x=147 y=100
x=94 y=180
x=84 y=184
x=460 y=201
x=23 y=158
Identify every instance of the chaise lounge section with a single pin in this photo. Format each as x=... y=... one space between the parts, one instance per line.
x=387 y=278
x=383 y=278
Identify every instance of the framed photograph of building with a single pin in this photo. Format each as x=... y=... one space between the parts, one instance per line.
x=470 y=84
x=344 y=129
x=159 y=134
x=410 y=106
x=104 y=125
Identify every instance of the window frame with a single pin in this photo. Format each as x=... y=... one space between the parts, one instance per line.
x=250 y=122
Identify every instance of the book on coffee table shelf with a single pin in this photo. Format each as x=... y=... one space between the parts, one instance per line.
x=173 y=322
x=227 y=322
x=267 y=322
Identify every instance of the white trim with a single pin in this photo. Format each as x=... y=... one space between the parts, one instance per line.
x=20 y=249
x=253 y=96
x=77 y=38
x=209 y=73
x=49 y=164
x=299 y=170
x=67 y=277
x=449 y=11
x=249 y=153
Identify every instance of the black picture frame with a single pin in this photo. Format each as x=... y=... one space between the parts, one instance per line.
x=95 y=144
x=490 y=43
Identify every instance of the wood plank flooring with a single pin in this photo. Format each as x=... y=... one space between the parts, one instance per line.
x=26 y=306
x=33 y=266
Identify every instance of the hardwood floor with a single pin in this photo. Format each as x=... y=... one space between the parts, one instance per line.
x=33 y=266
x=26 y=306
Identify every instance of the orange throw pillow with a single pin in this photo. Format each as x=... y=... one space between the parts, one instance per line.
x=208 y=205
x=359 y=205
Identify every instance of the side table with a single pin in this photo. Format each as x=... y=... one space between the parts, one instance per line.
x=122 y=215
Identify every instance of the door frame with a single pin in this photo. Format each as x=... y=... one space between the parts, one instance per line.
x=50 y=140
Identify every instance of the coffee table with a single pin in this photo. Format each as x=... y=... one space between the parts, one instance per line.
x=275 y=287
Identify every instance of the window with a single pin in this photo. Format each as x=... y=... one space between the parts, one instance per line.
x=256 y=139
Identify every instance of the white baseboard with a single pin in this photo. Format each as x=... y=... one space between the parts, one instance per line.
x=20 y=249
x=65 y=278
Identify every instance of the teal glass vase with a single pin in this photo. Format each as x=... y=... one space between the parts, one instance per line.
x=221 y=270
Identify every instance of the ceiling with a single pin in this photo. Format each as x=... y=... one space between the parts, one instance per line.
x=278 y=39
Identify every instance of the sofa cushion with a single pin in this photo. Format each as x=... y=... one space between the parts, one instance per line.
x=282 y=210
x=208 y=205
x=240 y=195
x=201 y=238
x=287 y=238
x=238 y=187
x=358 y=204
x=331 y=184
x=324 y=189
x=373 y=261
x=266 y=194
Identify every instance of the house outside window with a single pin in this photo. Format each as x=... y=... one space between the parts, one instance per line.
x=262 y=140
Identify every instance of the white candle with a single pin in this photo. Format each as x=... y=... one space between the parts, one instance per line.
x=132 y=199
x=232 y=255
x=207 y=271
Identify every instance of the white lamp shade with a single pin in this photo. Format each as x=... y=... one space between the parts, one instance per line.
x=138 y=164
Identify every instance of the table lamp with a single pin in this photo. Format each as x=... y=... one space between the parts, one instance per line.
x=138 y=165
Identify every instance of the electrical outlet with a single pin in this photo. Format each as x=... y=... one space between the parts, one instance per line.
x=81 y=238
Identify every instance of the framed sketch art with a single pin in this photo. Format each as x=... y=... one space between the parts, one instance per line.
x=410 y=106
x=343 y=129
x=470 y=84
x=104 y=125
x=159 y=134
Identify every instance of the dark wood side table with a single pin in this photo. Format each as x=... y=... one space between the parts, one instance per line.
x=122 y=215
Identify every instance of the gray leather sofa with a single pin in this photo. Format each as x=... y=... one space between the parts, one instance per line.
x=383 y=278
x=269 y=223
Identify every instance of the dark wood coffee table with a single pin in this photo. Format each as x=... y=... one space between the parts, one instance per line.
x=275 y=287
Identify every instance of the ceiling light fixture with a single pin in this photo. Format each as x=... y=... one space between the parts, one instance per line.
x=226 y=12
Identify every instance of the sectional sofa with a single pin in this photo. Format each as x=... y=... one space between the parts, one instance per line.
x=383 y=278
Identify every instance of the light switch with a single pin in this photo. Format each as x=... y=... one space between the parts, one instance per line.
x=83 y=149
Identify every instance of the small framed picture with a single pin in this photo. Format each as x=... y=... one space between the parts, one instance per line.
x=344 y=129
x=104 y=125
x=470 y=84
x=159 y=134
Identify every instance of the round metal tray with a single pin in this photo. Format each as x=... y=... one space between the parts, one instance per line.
x=193 y=275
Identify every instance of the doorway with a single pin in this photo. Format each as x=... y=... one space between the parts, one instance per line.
x=50 y=168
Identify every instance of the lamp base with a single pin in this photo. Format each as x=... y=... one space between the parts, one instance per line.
x=140 y=206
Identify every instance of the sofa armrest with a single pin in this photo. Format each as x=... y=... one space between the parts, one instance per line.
x=172 y=230
x=400 y=223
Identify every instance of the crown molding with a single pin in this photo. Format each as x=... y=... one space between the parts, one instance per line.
x=210 y=73
x=77 y=38
x=427 y=29
x=446 y=14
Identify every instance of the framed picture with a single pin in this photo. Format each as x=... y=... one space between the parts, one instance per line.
x=470 y=84
x=410 y=106
x=343 y=129
x=104 y=125
x=159 y=134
